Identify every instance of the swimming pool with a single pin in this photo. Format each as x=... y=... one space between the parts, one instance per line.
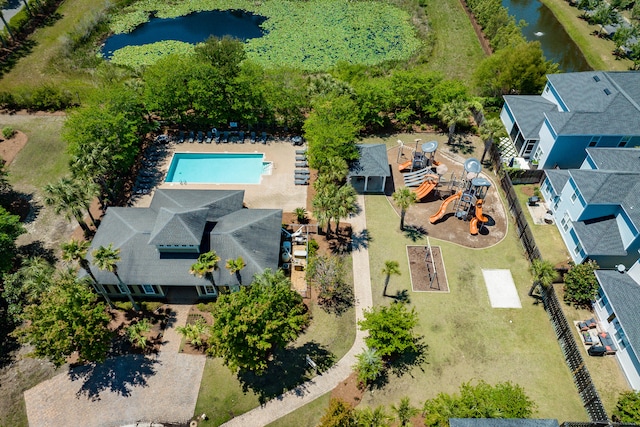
x=217 y=168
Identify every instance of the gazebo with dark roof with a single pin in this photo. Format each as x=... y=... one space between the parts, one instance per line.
x=372 y=168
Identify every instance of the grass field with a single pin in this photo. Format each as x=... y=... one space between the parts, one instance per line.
x=307 y=416
x=597 y=51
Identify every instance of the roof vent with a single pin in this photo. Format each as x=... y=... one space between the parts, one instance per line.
x=596 y=78
x=607 y=91
x=621 y=268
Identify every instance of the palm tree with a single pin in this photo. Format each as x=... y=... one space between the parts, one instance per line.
x=404 y=411
x=72 y=197
x=490 y=129
x=205 y=265
x=374 y=418
x=301 y=215
x=321 y=204
x=390 y=267
x=136 y=331
x=404 y=198
x=106 y=258
x=454 y=113
x=343 y=204
x=544 y=273
x=76 y=250
x=369 y=365
x=335 y=169
x=6 y=25
x=234 y=266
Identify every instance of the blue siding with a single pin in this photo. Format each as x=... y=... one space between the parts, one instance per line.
x=568 y=152
x=557 y=97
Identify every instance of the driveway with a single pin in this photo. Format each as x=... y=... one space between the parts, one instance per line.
x=123 y=390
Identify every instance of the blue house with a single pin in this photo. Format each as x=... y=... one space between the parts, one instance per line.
x=597 y=207
x=617 y=309
x=575 y=111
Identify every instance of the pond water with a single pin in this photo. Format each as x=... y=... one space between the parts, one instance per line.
x=545 y=28
x=193 y=28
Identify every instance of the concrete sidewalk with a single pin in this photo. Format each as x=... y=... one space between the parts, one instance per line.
x=327 y=381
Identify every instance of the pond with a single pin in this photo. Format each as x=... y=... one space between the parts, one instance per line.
x=193 y=28
x=545 y=28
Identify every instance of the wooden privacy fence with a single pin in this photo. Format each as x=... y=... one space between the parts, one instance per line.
x=581 y=377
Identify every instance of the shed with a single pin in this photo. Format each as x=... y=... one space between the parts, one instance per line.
x=369 y=173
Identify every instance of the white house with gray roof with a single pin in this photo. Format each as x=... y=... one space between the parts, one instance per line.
x=597 y=207
x=617 y=309
x=575 y=111
x=159 y=244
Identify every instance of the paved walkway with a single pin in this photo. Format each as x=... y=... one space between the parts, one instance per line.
x=123 y=390
x=311 y=390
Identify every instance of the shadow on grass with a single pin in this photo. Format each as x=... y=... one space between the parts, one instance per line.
x=117 y=375
x=288 y=370
x=410 y=359
x=401 y=297
x=415 y=232
x=8 y=343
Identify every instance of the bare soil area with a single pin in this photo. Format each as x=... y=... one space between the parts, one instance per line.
x=424 y=265
x=348 y=390
x=9 y=148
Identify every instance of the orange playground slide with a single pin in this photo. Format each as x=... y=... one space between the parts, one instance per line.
x=425 y=188
x=405 y=165
x=479 y=215
x=443 y=208
x=473 y=226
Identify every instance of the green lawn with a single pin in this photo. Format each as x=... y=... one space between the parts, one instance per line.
x=467 y=339
x=221 y=394
x=307 y=416
x=547 y=236
x=456 y=50
x=597 y=51
x=44 y=159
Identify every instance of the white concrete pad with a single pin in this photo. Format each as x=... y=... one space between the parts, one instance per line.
x=502 y=291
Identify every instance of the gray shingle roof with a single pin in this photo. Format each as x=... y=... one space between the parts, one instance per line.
x=373 y=161
x=581 y=92
x=253 y=234
x=558 y=178
x=501 y=422
x=623 y=294
x=600 y=237
x=529 y=112
x=610 y=188
x=179 y=228
x=615 y=159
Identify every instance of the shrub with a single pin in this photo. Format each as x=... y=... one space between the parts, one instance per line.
x=8 y=132
x=580 y=284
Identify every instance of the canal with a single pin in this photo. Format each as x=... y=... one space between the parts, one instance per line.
x=545 y=28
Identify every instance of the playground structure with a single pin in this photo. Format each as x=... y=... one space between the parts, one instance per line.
x=425 y=171
x=468 y=197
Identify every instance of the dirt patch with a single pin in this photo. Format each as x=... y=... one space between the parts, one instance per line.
x=9 y=148
x=348 y=390
x=423 y=269
x=449 y=227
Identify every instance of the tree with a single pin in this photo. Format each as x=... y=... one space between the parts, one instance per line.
x=390 y=329
x=377 y=417
x=136 y=333
x=327 y=274
x=490 y=129
x=339 y=414
x=580 y=284
x=543 y=272
x=107 y=258
x=10 y=229
x=369 y=366
x=195 y=333
x=235 y=266
x=390 y=267
x=301 y=215
x=251 y=323
x=68 y=319
x=206 y=264
x=604 y=15
x=76 y=250
x=404 y=198
x=344 y=203
x=331 y=130
x=72 y=197
x=452 y=114
x=504 y=400
x=404 y=411
x=628 y=408
x=27 y=285
x=335 y=170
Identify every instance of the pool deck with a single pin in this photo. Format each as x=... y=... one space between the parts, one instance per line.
x=276 y=191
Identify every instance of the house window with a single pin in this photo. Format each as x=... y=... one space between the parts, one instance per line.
x=556 y=202
x=209 y=290
x=122 y=288
x=574 y=196
x=565 y=221
x=148 y=289
x=577 y=249
x=623 y=142
x=538 y=154
x=594 y=141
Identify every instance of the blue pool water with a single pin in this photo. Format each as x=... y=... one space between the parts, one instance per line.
x=217 y=168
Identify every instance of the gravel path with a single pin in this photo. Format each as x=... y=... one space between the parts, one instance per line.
x=307 y=392
x=123 y=390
